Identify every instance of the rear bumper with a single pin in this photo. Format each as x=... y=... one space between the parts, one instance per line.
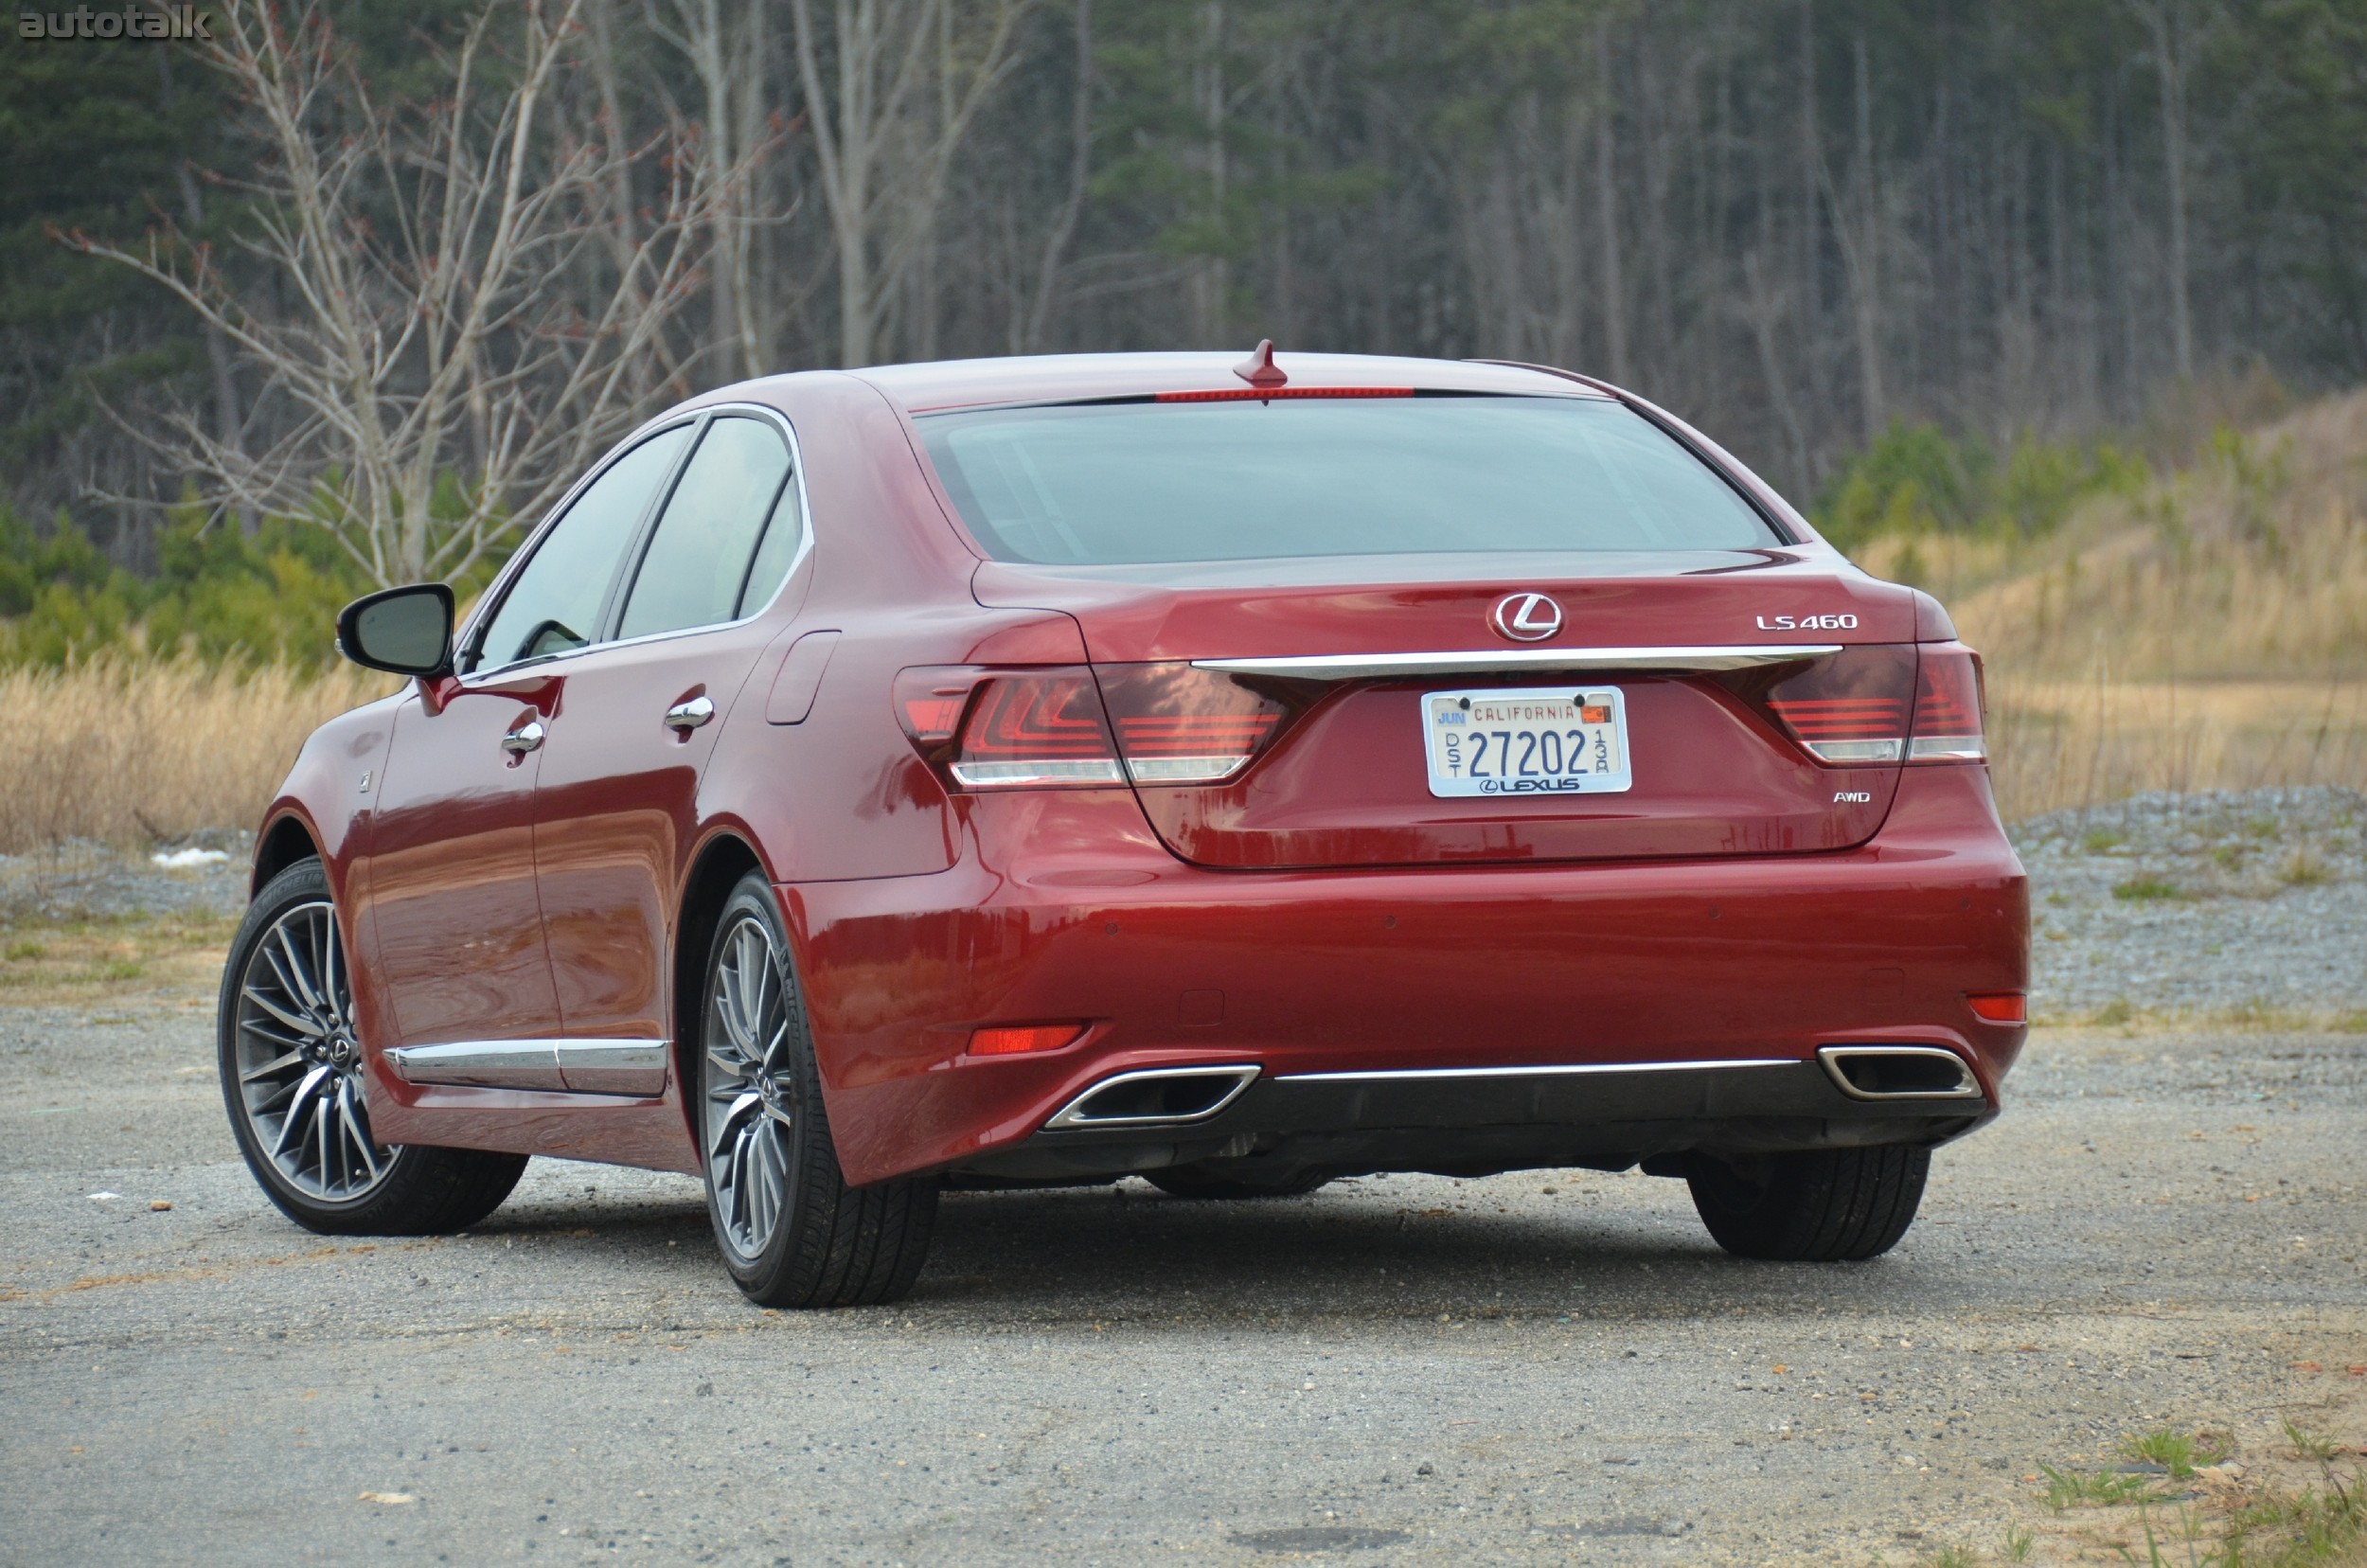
x=1490 y=984
x=1457 y=1124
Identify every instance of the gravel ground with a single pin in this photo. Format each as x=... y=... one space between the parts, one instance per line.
x=2233 y=905
x=1547 y=1367
x=80 y=880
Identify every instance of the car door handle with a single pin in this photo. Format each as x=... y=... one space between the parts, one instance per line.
x=525 y=738
x=689 y=714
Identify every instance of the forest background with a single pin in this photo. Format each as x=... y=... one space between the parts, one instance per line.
x=2049 y=306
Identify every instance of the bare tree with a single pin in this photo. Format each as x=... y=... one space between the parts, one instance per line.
x=2172 y=34
x=464 y=328
x=911 y=78
x=725 y=44
x=1030 y=328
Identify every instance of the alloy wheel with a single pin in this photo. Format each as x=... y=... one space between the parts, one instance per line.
x=751 y=1087
x=299 y=1060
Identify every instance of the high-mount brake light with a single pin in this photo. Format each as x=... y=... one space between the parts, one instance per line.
x=1948 y=707
x=1850 y=708
x=1177 y=725
x=1280 y=394
x=1047 y=727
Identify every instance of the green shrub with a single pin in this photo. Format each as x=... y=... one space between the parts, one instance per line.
x=1918 y=479
x=220 y=592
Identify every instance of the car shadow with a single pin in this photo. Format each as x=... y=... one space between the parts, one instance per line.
x=1124 y=1253
x=1128 y=1253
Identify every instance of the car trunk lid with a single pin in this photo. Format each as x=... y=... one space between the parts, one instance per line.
x=1722 y=664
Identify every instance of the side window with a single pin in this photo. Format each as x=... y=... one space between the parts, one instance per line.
x=774 y=551
x=553 y=605
x=697 y=558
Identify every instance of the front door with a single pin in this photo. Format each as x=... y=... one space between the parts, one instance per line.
x=455 y=914
x=452 y=909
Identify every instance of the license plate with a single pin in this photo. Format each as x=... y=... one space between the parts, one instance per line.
x=1529 y=741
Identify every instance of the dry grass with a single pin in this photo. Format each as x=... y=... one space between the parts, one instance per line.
x=165 y=958
x=2210 y=633
x=2066 y=742
x=124 y=749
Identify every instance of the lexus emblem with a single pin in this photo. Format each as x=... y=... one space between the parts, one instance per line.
x=1527 y=617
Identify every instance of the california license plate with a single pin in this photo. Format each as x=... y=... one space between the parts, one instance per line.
x=1530 y=741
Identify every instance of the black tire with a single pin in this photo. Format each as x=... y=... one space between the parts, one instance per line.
x=1822 y=1206
x=1186 y=1180
x=362 y=1188
x=764 y=1138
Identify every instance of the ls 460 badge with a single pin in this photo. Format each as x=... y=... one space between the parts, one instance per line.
x=1807 y=623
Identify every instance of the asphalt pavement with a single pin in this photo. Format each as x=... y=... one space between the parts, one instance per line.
x=2164 y=1230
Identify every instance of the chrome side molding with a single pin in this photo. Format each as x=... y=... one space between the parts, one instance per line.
x=1515 y=660
x=1900 y=1072
x=1156 y=1097
x=566 y=1067
x=480 y=1064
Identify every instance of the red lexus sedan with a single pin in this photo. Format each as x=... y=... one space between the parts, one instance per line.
x=1044 y=771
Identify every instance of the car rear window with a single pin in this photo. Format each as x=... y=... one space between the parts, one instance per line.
x=1114 y=484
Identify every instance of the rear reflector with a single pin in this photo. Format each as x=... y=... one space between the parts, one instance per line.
x=1948 y=707
x=1177 y=724
x=1851 y=708
x=1017 y=1040
x=2001 y=1008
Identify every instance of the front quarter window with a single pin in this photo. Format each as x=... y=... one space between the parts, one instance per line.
x=554 y=603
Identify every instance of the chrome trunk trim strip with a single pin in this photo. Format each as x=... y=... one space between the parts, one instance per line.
x=1345 y=667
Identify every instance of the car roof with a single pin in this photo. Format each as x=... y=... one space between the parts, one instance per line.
x=1060 y=378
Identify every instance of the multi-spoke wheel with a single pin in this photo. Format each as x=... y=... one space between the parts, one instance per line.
x=751 y=1088
x=299 y=1071
x=292 y=1077
x=793 y=1233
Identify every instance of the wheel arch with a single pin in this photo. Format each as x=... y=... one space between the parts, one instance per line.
x=285 y=840
x=720 y=863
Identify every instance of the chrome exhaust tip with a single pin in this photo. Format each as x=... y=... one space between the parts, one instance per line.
x=1900 y=1072
x=1156 y=1097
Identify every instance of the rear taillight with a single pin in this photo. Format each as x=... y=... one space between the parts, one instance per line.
x=1006 y=729
x=1948 y=707
x=1040 y=728
x=1181 y=725
x=1850 y=708
x=1882 y=702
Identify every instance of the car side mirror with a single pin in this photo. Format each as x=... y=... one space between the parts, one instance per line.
x=403 y=631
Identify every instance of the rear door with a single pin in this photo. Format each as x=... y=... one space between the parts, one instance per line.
x=617 y=801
